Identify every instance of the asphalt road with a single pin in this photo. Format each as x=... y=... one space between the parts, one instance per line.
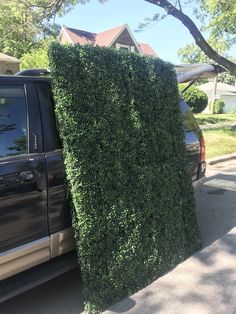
x=217 y=215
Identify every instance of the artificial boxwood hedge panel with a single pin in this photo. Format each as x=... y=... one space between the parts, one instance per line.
x=134 y=213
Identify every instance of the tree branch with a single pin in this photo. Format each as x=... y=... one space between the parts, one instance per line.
x=197 y=35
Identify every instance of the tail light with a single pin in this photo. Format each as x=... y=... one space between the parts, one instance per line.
x=203 y=150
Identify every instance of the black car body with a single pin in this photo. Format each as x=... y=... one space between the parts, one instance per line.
x=35 y=222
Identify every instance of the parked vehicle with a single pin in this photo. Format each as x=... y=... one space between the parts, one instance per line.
x=36 y=238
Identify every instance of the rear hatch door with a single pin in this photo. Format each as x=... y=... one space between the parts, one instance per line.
x=189 y=73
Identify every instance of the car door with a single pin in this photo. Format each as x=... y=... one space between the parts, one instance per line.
x=24 y=240
x=59 y=214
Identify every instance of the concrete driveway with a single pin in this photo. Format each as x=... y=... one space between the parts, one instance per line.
x=206 y=282
x=203 y=284
x=216 y=201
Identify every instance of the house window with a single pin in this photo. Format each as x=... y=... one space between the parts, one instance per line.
x=125 y=47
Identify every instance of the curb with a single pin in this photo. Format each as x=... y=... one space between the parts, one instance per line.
x=216 y=160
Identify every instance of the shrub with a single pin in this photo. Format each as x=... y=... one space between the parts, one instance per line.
x=195 y=98
x=219 y=106
x=134 y=213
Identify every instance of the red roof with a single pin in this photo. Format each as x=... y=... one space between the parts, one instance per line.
x=105 y=38
x=147 y=50
x=80 y=37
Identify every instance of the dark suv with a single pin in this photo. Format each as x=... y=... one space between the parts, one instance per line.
x=36 y=239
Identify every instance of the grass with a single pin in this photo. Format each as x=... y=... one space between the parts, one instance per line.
x=215 y=118
x=220 y=141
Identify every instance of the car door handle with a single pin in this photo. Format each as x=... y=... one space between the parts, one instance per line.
x=27 y=176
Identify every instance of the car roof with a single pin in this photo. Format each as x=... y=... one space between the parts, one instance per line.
x=24 y=78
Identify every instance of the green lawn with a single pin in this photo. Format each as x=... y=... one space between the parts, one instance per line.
x=215 y=118
x=220 y=141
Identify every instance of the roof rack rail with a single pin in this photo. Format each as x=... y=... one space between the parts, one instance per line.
x=34 y=72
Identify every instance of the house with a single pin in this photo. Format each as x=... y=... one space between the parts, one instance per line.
x=119 y=37
x=223 y=91
x=8 y=65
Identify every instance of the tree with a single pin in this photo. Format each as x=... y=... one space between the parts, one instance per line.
x=213 y=15
x=37 y=57
x=16 y=30
x=24 y=24
x=222 y=17
x=193 y=54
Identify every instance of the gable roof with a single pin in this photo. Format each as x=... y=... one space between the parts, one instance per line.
x=77 y=36
x=147 y=50
x=106 y=38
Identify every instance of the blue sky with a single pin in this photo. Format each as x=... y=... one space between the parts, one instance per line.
x=166 y=37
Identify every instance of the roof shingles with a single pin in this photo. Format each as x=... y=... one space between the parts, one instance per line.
x=105 y=38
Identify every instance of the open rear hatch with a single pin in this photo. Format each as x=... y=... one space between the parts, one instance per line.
x=189 y=73
x=192 y=72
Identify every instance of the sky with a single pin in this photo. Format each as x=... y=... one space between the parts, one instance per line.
x=166 y=37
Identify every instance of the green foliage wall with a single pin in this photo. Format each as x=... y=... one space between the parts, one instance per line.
x=134 y=213
x=195 y=98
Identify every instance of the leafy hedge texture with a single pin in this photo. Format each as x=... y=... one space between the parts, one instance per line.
x=219 y=106
x=195 y=98
x=134 y=212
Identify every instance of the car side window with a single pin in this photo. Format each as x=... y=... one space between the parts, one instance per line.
x=13 y=121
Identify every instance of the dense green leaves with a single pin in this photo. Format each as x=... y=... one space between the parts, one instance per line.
x=134 y=213
x=24 y=25
x=195 y=98
x=219 y=106
x=221 y=17
x=37 y=57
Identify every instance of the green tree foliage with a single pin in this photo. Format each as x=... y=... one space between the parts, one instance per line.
x=25 y=24
x=191 y=53
x=210 y=11
x=37 y=57
x=194 y=97
x=18 y=28
x=226 y=78
x=134 y=214
x=221 y=17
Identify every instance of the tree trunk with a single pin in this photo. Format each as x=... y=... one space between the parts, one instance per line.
x=197 y=35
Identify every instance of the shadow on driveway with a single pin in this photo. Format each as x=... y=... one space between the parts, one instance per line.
x=62 y=295
x=216 y=207
x=205 y=283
